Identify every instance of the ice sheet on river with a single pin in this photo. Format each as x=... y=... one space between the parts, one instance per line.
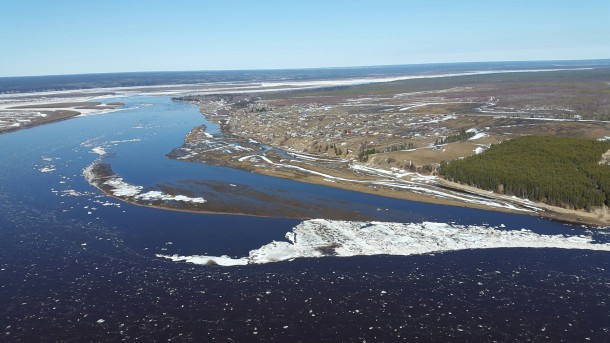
x=320 y=237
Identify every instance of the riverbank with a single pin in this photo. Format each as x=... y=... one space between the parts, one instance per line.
x=247 y=154
x=23 y=112
x=97 y=177
x=240 y=151
x=599 y=217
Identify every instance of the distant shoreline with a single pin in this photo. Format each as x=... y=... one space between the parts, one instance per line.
x=145 y=79
x=344 y=179
x=49 y=119
x=28 y=113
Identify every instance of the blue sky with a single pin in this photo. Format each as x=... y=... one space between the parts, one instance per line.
x=41 y=37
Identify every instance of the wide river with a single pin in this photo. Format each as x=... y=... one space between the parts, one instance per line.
x=76 y=264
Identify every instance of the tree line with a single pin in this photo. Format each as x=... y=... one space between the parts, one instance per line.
x=556 y=170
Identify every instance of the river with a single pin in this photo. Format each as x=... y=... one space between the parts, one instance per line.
x=77 y=264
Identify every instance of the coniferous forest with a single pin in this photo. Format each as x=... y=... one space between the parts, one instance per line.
x=559 y=171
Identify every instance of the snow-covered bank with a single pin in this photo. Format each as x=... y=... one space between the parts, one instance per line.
x=117 y=187
x=320 y=237
x=419 y=184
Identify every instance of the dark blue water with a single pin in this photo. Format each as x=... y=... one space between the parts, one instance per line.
x=136 y=140
x=67 y=261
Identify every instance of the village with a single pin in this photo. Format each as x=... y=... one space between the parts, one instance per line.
x=411 y=131
x=387 y=140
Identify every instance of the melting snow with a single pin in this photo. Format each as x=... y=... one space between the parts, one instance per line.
x=157 y=195
x=478 y=136
x=120 y=188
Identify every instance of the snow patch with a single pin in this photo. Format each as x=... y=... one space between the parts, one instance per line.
x=157 y=195
x=477 y=136
x=121 y=188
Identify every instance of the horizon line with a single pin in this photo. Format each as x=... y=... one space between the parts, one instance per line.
x=306 y=68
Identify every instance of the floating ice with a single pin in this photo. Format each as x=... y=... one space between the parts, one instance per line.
x=71 y=192
x=208 y=260
x=320 y=237
x=126 y=141
x=99 y=150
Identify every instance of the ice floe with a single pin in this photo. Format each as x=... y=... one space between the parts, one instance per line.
x=126 y=141
x=48 y=166
x=72 y=193
x=99 y=150
x=320 y=237
x=208 y=260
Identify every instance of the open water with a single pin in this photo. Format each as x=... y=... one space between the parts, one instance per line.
x=76 y=265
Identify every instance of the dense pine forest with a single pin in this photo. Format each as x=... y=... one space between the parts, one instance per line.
x=559 y=171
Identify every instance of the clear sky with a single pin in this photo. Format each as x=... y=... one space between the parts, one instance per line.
x=41 y=37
